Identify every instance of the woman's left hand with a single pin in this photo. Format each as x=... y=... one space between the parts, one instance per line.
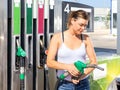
x=75 y=81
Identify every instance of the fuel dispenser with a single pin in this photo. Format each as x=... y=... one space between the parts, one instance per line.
x=51 y=31
x=29 y=44
x=43 y=35
x=29 y=31
x=19 y=34
x=16 y=17
x=39 y=38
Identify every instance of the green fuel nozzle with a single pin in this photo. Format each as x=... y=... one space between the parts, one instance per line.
x=80 y=66
x=20 y=52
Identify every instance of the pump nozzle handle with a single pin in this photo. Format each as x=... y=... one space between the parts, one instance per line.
x=95 y=66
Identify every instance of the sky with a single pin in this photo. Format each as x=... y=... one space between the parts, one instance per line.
x=95 y=3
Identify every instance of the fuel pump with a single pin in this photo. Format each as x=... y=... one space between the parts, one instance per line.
x=43 y=65
x=42 y=39
x=15 y=35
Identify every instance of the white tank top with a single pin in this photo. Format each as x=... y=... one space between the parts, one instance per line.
x=69 y=56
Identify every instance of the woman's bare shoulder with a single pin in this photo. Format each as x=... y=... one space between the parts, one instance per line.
x=57 y=34
x=56 y=37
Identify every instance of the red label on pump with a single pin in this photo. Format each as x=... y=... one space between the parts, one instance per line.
x=40 y=19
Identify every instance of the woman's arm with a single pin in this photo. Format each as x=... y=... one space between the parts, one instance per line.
x=91 y=54
x=92 y=57
x=52 y=52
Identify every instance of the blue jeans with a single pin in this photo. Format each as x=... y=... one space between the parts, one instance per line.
x=66 y=85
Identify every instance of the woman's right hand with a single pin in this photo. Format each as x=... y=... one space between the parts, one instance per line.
x=73 y=70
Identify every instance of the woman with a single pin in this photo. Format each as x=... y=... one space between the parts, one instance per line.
x=71 y=46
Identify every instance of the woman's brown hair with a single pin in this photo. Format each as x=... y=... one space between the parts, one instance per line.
x=77 y=14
